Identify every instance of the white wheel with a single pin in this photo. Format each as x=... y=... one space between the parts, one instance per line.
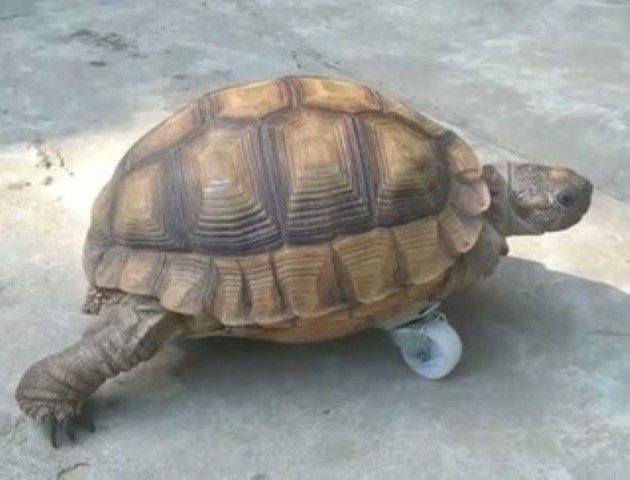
x=431 y=347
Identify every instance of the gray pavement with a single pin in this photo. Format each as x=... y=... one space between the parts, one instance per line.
x=543 y=388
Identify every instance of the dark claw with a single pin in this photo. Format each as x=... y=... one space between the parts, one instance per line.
x=88 y=425
x=50 y=426
x=84 y=421
x=67 y=427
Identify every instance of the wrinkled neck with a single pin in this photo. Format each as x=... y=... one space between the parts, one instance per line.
x=501 y=215
x=505 y=221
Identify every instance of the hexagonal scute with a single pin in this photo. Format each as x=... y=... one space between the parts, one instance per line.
x=369 y=264
x=261 y=290
x=411 y=177
x=336 y=95
x=308 y=280
x=424 y=255
x=143 y=271
x=459 y=232
x=225 y=293
x=110 y=266
x=320 y=177
x=461 y=159
x=99 y=236
x=254 y=100
x=165 y=135
x=414 y=118
x=470 y=197
x=138 y=216
x=184 y=283
x=230 y=207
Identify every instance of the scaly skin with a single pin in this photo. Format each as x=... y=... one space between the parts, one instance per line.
x=531 y=199
x=54 y=389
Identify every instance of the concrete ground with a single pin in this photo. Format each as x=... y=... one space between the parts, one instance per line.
x=543 y=388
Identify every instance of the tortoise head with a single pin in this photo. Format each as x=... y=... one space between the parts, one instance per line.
x=530 y=199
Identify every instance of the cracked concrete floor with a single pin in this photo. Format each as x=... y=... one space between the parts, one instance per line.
x=543 y=389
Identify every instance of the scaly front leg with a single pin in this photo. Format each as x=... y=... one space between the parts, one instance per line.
x=53 y=390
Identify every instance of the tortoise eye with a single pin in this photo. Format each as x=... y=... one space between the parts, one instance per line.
x=565 y=199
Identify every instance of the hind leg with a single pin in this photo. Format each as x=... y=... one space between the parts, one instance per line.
x=54 y=389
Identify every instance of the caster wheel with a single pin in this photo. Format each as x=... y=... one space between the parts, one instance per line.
x=430 y=346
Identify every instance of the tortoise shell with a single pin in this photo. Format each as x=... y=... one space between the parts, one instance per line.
x=297 y=202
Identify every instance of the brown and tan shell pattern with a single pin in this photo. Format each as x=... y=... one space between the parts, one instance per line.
x=298 y=201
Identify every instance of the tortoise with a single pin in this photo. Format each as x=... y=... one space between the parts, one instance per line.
x=292 y=209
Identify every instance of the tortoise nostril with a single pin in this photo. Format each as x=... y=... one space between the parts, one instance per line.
x=566 y=199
